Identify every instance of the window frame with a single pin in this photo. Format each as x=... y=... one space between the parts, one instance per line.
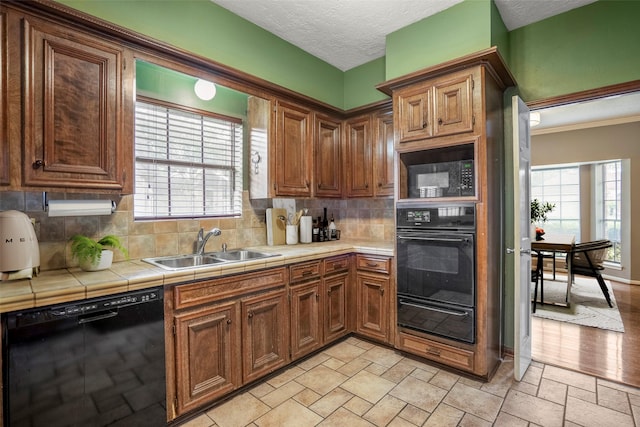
x=236 y=166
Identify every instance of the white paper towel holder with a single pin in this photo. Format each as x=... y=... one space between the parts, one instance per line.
x=77 y=207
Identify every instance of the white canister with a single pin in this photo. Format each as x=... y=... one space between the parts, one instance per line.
x=306 y=229
x=292 y=234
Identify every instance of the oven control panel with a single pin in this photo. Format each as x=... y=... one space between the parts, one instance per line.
x=459 y=216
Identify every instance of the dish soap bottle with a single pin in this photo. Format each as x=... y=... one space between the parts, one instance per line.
x=332 y=229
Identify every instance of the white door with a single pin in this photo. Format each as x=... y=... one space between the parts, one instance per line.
x=522 y=237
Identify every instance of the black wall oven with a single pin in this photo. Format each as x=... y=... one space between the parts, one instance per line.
x=436 y=269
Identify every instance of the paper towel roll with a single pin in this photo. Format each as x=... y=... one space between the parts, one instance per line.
x=80 y=207
x=305 y=229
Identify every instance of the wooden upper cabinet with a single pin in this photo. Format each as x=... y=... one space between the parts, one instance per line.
x=414 y=112
x=78 y=109
x=383 y=156
x=453 y=106
x=4 y=112
x=293 y=151
x=359 y=151
x=435 y=108
x=328 y=157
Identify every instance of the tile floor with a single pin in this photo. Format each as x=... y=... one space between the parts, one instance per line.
x=356 y=383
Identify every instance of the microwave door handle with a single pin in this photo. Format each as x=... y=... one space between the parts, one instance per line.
x=433 y=239
x=439 y=310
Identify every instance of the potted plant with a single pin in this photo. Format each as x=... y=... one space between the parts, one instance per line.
x=92 y=255
x=539 y=211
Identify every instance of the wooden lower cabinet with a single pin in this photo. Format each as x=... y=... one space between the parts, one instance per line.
x=335 y=306
x=373 y=289
x=213 y=331
x=439 y=352
x=265 y=333
x=306 y=334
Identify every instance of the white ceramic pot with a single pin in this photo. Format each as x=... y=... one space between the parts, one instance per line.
x=104 y=262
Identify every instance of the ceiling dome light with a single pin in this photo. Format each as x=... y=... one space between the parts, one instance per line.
x=534 y=118
x=205 y=90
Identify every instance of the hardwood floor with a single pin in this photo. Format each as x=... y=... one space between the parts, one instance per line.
x=605 y=354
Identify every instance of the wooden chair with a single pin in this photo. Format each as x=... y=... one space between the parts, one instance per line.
x=587 y=259
x=537 y=276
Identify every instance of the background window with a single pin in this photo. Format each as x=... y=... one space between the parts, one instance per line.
x=609 y=206
x=187 y=163
x=560 y=186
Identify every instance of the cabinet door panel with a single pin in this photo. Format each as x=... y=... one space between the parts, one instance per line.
x=383 y=163
x=359 y=157
x=415 y=114
x=73 y=109
x=453 y=106
x=265 y=334
x=306 y=334
x=373 y=301
x=328 y=158
x=293 y=151
x=206 y=346
x=335 y=315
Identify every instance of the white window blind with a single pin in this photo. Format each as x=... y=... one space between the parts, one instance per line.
x=188 y=163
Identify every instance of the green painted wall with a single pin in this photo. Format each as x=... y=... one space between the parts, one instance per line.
x=585 y=48
x=172 y=86
x=499 y=33
x=206 y=29
x=360 y=84
x=460 y=30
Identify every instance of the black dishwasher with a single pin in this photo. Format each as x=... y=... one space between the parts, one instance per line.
x=94 y=362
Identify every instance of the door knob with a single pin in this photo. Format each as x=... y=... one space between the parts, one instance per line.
x=510 y=250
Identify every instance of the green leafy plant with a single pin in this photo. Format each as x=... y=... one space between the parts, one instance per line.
x=539 y=211
x=87 y=250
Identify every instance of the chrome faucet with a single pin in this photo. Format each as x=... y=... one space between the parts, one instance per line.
x=202 y=239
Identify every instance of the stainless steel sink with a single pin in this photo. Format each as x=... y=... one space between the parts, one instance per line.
x=240 y=255
x=179 y=262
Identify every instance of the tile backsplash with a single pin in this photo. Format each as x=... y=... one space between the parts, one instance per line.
x=356 y=218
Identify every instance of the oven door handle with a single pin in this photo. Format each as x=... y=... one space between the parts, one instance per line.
x=439 y=310
x=434 y=239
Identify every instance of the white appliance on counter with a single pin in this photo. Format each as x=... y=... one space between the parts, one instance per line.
x=19 y=250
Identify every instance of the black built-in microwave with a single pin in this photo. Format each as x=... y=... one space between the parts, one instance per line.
x=443 y=179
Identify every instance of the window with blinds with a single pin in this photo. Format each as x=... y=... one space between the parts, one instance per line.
x=187 y=163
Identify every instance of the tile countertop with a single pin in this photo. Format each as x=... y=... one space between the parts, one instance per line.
x=60 y=286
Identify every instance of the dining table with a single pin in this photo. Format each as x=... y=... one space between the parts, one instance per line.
x=562 y=243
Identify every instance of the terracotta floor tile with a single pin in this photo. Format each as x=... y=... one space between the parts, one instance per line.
x=342 y=418
x=321 y=379
x=576 y=379
x=368 y=386
x=533 y=409
x=385 y=410
x=444 y=416
x=331 y=401
x=239 y=411
x=591 y=415
x=290 y=413
x=419 y=393
x=357 y=383
x=477 y=402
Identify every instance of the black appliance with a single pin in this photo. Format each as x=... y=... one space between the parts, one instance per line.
x=442 y=179
x=95 y=362
x=436 y=269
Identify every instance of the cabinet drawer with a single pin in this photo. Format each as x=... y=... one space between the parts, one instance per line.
x=439 y=352
x=373 y=263
x=218 y=289
x=304 y=271
x=337 y=264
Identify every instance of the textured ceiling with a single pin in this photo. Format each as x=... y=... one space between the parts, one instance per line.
x=348 y=33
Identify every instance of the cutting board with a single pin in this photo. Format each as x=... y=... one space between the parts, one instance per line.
x=275 y=226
